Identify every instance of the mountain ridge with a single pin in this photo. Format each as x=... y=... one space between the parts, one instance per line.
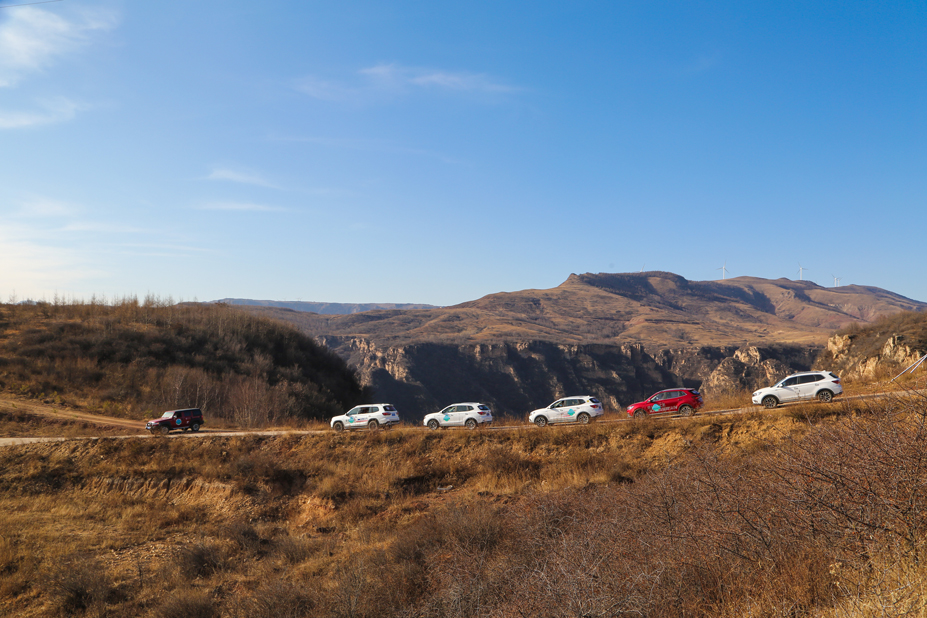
x=618 y=336
x=323 y=308
x=655 y=309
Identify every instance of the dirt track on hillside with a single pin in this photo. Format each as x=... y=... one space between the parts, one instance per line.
x=62 y=414
x=66 y=414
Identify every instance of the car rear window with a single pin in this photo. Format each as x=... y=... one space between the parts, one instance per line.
x=593 y=400
x=482 y=407
x=833 y=376
x=389 y=408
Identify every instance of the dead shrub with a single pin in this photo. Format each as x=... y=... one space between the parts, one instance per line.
x=277 y=599
x=296 y=549
x=201 y=559
x=245 y=537
x=80 y=585
x=187 y=604
x=505 y=462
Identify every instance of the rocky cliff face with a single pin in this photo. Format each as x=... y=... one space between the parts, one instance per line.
x=515 y=378
x=848 y=361
x=877 y=351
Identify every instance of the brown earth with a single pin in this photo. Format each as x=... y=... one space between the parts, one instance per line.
x=619 y=337
x=704 y=514
x=657 y=310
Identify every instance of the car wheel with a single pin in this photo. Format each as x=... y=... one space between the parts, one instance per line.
x=195 y=426
x=164 y=430
x=471 y=423
x=639 y=414
x=338 y=427
x=373 y=425
x=686 y=410
x=541 y=421
x=770 y=402
x=433 y=424
x=825 y=396
x=583 y=419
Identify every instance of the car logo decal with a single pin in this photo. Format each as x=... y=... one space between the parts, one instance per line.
x=447 y=417
x=178 y=421
x=571 y=412
x=656 y=407
x=350 y=420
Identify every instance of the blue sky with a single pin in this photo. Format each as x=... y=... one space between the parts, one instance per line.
x=437 y=152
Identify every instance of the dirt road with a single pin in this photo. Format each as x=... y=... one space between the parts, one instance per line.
x=131 y=428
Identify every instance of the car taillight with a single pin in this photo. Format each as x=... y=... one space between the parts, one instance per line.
x=836 y=381
x=594 y=406
x=480 y=412
x=387 y=413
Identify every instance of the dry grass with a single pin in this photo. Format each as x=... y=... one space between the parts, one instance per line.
x=134 y=360
x=709 y=516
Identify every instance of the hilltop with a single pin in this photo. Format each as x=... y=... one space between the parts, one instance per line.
x=323 y=308
x=655 y=309
x=618 y=336
x=135 y=360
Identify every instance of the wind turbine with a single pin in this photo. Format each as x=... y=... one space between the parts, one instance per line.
x=801 y=270
x=836 y=281
x=723 y=270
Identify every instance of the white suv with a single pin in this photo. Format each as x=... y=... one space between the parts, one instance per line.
x=469 y=415
x=580 y=409
x=820 y=385
x=369 y=415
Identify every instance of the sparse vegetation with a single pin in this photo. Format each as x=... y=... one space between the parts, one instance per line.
x=785 y=513
x=133 y=359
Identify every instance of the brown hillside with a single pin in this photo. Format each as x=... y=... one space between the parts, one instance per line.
x=656 y=309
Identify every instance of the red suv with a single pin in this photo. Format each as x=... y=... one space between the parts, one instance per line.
x=190 y=418
x=685 y=401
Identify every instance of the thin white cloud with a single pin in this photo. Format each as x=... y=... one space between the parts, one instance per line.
x=42 y=206
x=32 y=39
x=248 y=178
x=100 y=228
x=326 y=90
x=240 y=207
x=391 y=79
x=396 y=76
x=33 y=265
x=59 y=109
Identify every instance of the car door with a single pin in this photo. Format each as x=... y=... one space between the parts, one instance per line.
x=557 y=411
x=457 y=416
x=570 y=409
x=657 y=403
x=356 y=416
x=671 y=401
x=464 y=412
x=447 y=415
x=787 y=390
x=807 y=385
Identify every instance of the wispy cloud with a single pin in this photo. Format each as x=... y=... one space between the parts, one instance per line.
x=396 y=76
x=32 y=262
x=100 y=228
x=391 y=79
x=240 y=207
x=59 y=109
x=42 y=206
x=244 y=177
x=32 y=39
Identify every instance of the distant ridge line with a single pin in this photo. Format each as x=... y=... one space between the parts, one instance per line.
x=325 y=308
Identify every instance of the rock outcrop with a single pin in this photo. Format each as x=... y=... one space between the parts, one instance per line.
x=517 y=377
x=849 y=361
